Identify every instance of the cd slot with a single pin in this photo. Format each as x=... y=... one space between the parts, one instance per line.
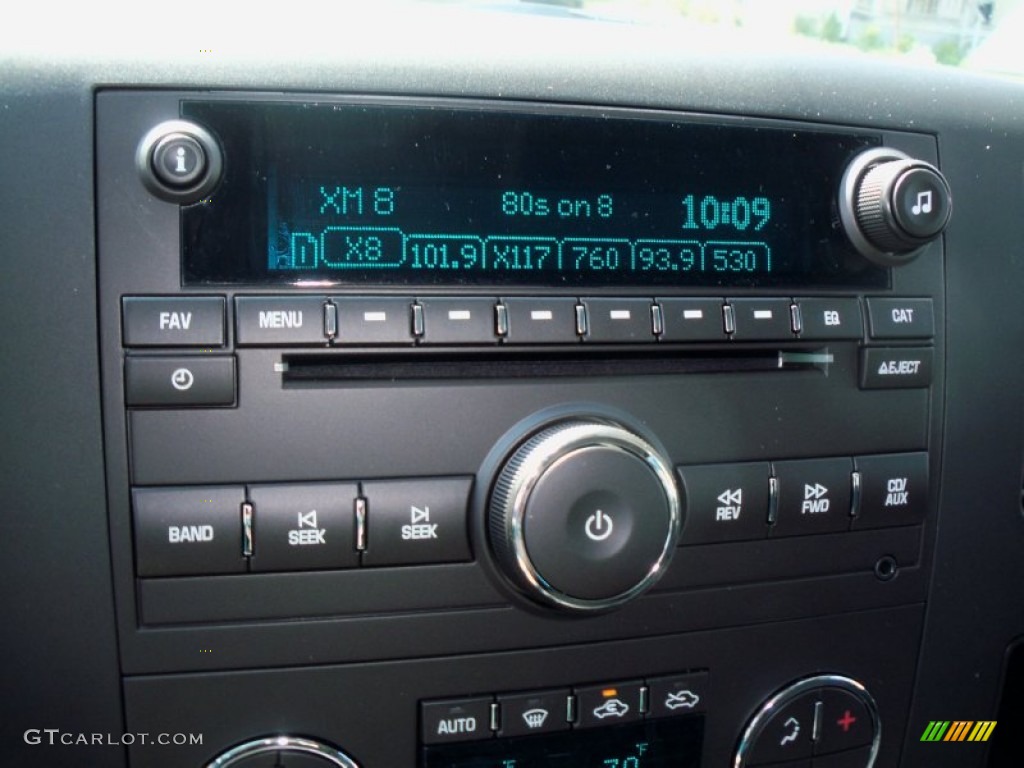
x=303 y=369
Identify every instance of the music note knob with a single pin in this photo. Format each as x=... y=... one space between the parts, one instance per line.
x=892 y=205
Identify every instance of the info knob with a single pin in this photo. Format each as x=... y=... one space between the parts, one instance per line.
x=892 y=205
x=584 y=515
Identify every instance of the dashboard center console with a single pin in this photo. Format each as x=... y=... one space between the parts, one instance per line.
x=536 y=435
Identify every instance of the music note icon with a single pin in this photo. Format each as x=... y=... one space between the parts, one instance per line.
x=924 y=203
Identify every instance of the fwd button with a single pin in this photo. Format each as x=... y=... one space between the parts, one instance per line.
x=813 y=496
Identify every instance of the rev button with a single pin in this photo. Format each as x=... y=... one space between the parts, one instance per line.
x=725 y=502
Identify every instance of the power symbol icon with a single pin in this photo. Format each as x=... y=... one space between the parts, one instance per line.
x=599 y=526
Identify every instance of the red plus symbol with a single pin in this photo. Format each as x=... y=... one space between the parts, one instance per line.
x=846 y=721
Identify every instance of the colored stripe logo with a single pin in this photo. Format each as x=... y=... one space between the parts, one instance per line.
x=958 y=730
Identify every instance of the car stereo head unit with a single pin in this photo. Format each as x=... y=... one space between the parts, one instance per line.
x=546 y=425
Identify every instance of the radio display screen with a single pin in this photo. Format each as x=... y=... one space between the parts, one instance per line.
x=669 y=743
x=411 y=194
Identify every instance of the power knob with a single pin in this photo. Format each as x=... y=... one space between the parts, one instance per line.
x=283 y=752
x=892 y=205
x=584 y=515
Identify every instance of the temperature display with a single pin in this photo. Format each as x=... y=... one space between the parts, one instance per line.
x=376 y=194
x=669 y=743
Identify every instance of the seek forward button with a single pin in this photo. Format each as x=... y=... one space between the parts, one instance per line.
x=416 y=521
x=725 y=502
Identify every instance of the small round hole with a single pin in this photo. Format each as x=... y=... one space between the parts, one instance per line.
x=886 y=568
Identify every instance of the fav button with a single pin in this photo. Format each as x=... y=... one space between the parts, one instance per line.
x=302 y=527
x=813 y=496
x=416 y=521
x=725 y=502
x=186 y=531
x=157 y=321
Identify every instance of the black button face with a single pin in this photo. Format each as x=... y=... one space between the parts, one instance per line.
x=830 y=319
x=619 y=320
x=179 y=381
x=602 y=705
x=762 y=319
x=417 y=521
x=179 y=160
x=894 y=490
x=814 y=496
x=541 y=321
x=856 y=758
x=594 y=528
x=301 y=527
x=920 y=203
x=678 y=695
x=459 y=321
x=374 y=320
x=541 y=712
x=185 y=531
x=456 y=720
x=725 y=502
x=272 y=320
x=845 y=722
x=895 y=367
x=787 y=734
x=901 y=318
x=153 y=321
x=692 y=320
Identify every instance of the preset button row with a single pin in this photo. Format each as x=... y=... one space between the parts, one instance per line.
x=311 y=320
x=523 y=714
x=261 y=528
x=736 y=502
